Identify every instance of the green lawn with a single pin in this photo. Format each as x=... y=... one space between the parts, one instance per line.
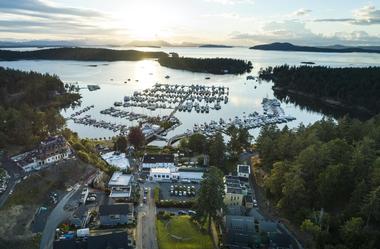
x=183 y=227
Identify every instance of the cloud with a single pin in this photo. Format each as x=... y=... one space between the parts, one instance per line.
x=232 y=2
x=367 y=15
x=296 y=32
x=302 y=12
x=42 y=17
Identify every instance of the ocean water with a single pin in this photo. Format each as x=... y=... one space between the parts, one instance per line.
x=244 y=98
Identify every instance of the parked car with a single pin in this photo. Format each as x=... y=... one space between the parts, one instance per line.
x=182 y=212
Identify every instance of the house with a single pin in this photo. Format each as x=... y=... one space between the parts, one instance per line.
x=233 y=191
x=243 y=171
x=121 y=185
x=117 y=240
x=240 y=231
x=47 y=152
x=114 y=215
x=157 y=161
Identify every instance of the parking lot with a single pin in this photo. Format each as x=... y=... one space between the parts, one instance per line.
x=178 y=191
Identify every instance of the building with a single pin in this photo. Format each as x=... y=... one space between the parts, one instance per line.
x=243 y=171
x=165 y=174
x=114 y=215
x=121 y=185
x=240 y=231
x=116 y=159
x=47 y=152
x=233 y=191
x=157 y=161
x=117 y=240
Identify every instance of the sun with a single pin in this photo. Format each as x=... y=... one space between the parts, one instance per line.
x=143 y=22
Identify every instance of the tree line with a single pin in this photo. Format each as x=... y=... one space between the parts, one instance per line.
x=207 y=65
x=29 y=106
x=350 y=86
x=82 y=54
x=326 y=178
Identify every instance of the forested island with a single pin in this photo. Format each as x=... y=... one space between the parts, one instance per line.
x=207 y=65
x=357 y=88
x=29 y=106
x=326 y=179
x=81 y=54
x=278 y=46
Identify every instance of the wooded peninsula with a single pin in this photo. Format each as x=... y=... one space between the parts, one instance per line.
x=207 y=65
x=80 y=54
x=347 y=87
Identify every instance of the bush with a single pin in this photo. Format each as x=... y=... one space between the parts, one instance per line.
x=175 y=204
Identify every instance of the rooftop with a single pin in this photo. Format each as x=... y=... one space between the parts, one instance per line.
x=117 y=160
x=161 y=170
x=120 y=179
x=113 y=209
x=243 y=168
x=159 y=158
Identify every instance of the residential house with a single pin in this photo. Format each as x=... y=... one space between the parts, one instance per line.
x=233 y=191
x=243 y=171
x=114 y=215
x=49 y=151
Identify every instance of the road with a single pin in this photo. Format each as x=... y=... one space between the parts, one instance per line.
x=146 y=223
x=55 y=218
x=296 y=244
x=15 y=175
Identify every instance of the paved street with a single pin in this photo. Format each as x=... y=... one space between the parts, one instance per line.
x=14 y=173
x=55 y=218
x=146 y=223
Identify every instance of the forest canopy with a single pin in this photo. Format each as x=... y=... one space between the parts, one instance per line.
x=349 y=86
x=326 y=178
x=81 y=54
x=207 y=65
x=29 y=106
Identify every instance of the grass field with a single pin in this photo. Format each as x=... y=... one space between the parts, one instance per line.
x=181 y=226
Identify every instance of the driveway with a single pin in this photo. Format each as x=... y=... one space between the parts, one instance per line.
x=58 y=215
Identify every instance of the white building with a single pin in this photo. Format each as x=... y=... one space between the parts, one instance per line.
x=163 y=174
x=234 y=194
x=120 y=185
x=243 y=171
x=157 y=161
x=174 y=174
x=118 y=160
x=49 y=151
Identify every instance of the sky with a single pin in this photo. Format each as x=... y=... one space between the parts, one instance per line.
x=232 y=22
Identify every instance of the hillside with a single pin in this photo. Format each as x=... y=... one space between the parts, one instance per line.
x=277 y=46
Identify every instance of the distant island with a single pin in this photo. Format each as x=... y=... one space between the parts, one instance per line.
x=355 y=88
x=207 y=65
x=214 y=46
x=277 y=46
x=80 y=54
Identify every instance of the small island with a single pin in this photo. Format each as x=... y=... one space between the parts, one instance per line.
x=214 y=46
x=207 y=65
x=80 y=54
x=278 y=46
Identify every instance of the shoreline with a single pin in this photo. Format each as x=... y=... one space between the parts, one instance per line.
x=327 y=101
